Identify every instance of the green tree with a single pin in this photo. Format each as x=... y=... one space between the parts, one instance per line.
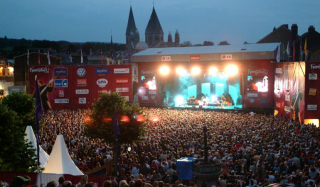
x=100 y=124
x=16 y=154
x=24 y=105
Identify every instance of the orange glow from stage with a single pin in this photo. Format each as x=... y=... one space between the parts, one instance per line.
x=195 y=71
x=231 y=70
x=213 y=71
x=164 y=70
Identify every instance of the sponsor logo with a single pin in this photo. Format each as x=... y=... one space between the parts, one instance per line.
x=226 y=56
x=102 y=83
x=313 y=76
x=264 y=96
x=311 y=107
x=263 y=101
x=145 y=72
x=252 y=94
x=60 y=72
x=61 y=93
x=287 y=98
x=81 y=82
x=251 y=100
x=101 y=71
x=60 y=101
x=122 y=89
x=81 y=72
x=313 y=66
x=279 y=70
x=153 y=97
x=102 y=91
x=195 y=57
x=82 y=100
x=39 y=70
x=127 y=98
x=152 y=92
x=124 y=80
x=61 y=83
x=121 y=70
x=257 y=71
x=166 y=58
x=82 y=91
x=312 y=91
x=278 y=105
x=145 y=98
x=287 y=108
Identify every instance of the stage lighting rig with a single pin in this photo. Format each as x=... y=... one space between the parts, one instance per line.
x=231 y=70
x=164 y=70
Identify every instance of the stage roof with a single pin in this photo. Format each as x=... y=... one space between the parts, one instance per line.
x=209 y=53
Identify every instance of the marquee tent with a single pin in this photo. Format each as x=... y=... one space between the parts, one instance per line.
x=59 y=161
x=30 y=137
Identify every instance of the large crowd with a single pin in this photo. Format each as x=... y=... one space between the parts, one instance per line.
x=255 y=149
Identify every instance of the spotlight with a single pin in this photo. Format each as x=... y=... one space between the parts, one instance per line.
x=195 y=71
x=213 y=98
x=232 y=70
x=164 y=70
x=213 y=71
x=179 y=100
x=180 y=71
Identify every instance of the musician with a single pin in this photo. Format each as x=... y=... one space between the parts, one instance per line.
x=45 y=90
x=223 y=98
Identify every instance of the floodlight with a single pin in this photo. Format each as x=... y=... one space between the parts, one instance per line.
x=180 y=71
x=232 y=70
x=164 y=70
x=195 y=71
x=179 y=100
x=213 y=71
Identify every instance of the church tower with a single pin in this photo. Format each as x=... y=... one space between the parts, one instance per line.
x=177 y=39
x=154 y=32
x=169 y=37
x=132 y=33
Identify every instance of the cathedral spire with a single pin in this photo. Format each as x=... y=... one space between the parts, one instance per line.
x=131 y=27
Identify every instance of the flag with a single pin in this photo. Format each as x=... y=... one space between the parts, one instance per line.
x=91 y=54
x=278 y=54
x=300 y=50
x=294 y=51
x=48 y=56
x=38 y=56
x=28 y=57
x=39 y=113
x=70 y=58
x=288 y=51
x=81 y=57
x=305 y=47
x=101 y=57
x=116 y=124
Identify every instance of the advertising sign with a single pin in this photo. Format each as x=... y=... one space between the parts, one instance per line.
x=61 y=83
x=101 y=70
x=60 y=72
x=121 y=70
x=122 y=89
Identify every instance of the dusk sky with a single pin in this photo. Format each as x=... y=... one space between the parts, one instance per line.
x=235 y=21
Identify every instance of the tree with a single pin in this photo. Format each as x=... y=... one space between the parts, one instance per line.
x=100 y=122
x=24 y=106
x=186 y=44
x=208 y=43
x=15 y=154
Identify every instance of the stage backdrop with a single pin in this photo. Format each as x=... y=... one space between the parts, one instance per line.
x=78 y=87
x=289 y=90
x=312 y=100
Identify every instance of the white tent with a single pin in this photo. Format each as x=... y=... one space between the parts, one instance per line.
x=59 y=161
x=30 y=137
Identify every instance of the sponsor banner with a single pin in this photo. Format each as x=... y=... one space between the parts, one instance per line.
x=61 y=93
x=314 y=66
x=82 y=91
x=82 y=100
x=153 y=97
x=263 y=101
x=102 y=83
x=81 y=82
x=312 y=91
x=101 y=70
x=148 y=72
x=39 y=70
x=122 y=89
x=166 y=58
x=152 y=92
x=279 y=70
x=313 y=76
x=264 y=96
x=278 y=105
x=121 y=70
x=60 y=72
x=251 y=100
x=311 y=107
x=127 y=98
x=61 y=83
x=287 y=108
x=252 y=94
x=122 y=80
x=102 y=91
x=287 y=98
x=61 y=101
x=226 y=57
x=257 y=71
x=145 y=98
x=195 y=57
x=81 y=72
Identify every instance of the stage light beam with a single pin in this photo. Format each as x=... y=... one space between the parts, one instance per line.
x=164 y=70
x=231 y=70
x=213 y=71
x=180 y=71
x=195 y=71
x=179 y=100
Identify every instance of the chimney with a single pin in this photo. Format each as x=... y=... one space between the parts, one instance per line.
x=294 y=29
x=311 y=28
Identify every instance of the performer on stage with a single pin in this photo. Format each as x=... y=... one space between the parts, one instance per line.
x=44 y=90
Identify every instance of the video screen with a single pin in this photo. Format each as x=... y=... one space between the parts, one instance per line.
x=149 y=82
x=257 y=83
